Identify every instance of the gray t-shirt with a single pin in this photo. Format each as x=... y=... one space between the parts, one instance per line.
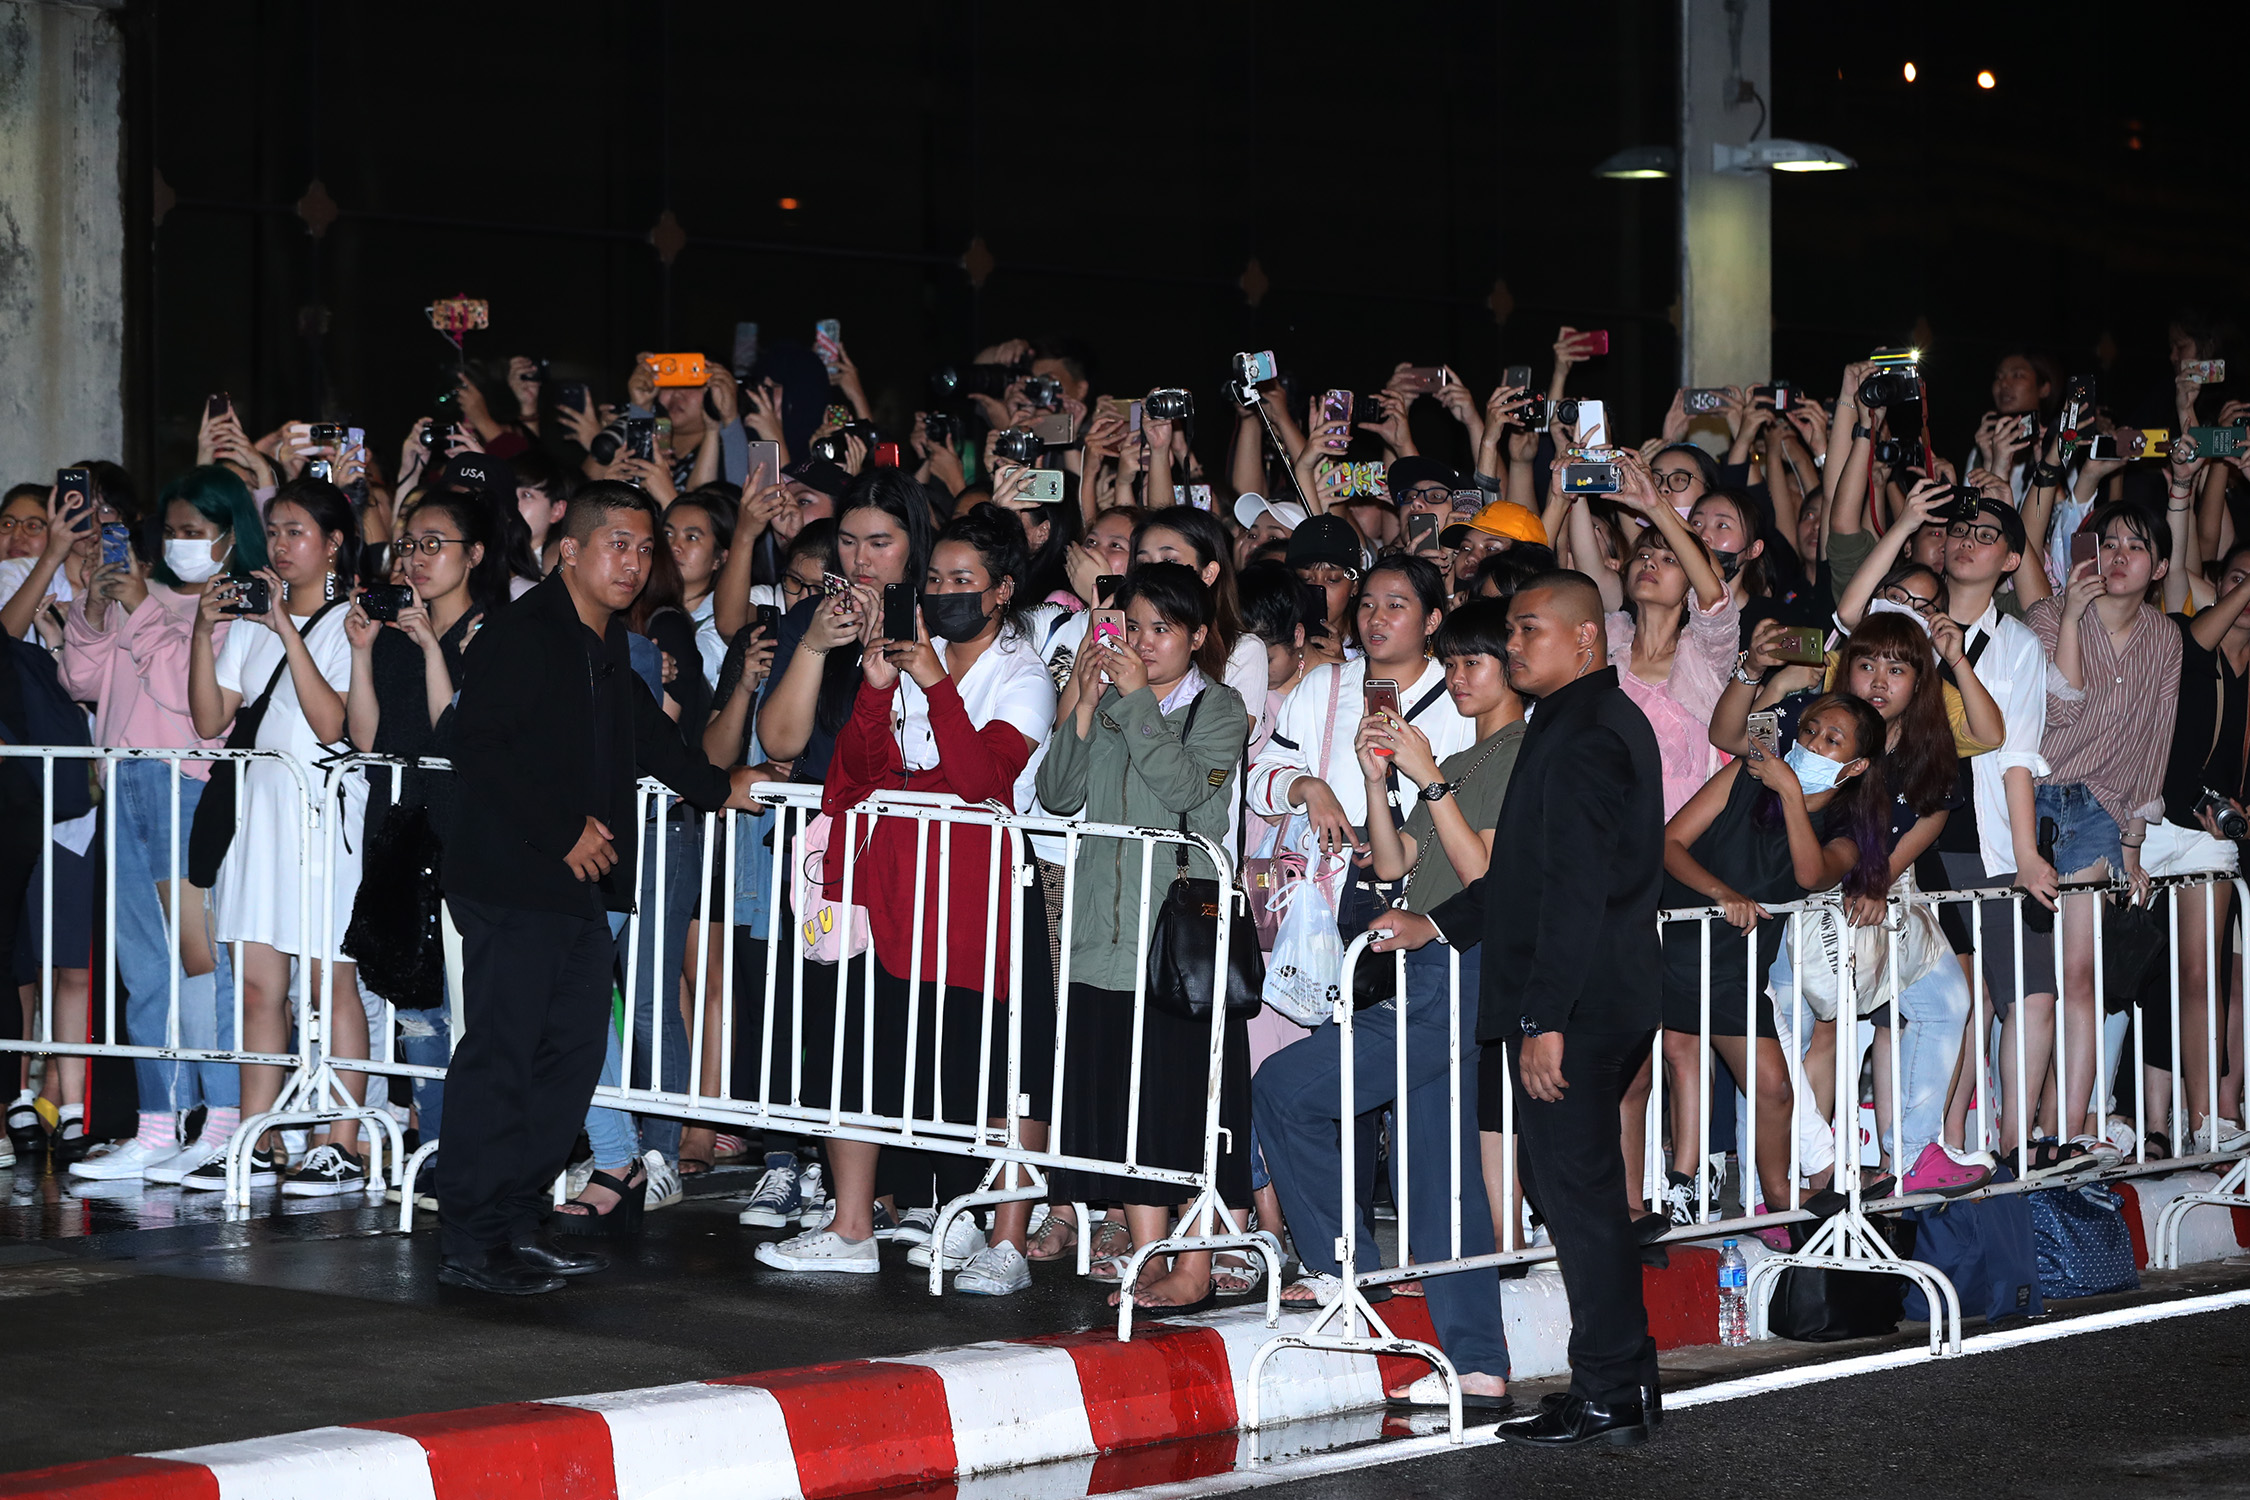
x=1486 y=765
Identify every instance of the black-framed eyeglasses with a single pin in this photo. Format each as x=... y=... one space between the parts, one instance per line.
x=1963 y=531
x=1921 y=606
x=1428 y=494
x=1674 y=480
x=793 y=587
x=429 y=546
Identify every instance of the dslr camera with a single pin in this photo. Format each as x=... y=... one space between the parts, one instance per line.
x=1168 y=404
x=1018 y=445
x=976 y=380
x=1897 y=381
x=1043 y=391
x=942 y=428
x=2231 y=824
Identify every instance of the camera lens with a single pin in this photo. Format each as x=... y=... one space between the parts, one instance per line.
x=1168 y=405
x=1017 y=445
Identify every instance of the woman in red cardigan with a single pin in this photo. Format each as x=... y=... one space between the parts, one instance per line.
x=957 y=709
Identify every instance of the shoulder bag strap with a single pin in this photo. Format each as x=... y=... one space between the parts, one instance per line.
x=1186 y=725
x=258 y=705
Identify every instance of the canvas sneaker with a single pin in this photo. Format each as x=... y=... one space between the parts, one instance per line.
x=2221 y=1134
x=812 y=1192
x=329 y=1172
x=170 y=1170
x=821 y=1250
x=776 y=1199
x=664 y=1187
x=914 y=1226
x=1938 y=1170
x=1679 y=1194
x=963 y=1239
x=211 y=1177
x=994 y=1271
x=117 y=1162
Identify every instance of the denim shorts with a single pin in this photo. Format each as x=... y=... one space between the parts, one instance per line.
x=2084 y=831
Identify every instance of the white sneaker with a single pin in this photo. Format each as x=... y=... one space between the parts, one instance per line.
x=995 y=1271
x=7 y=1152
x=664 y=1188
x=168 y=1171
x=914 y=1226
x=821 y=1250
x=963 y=1243
x=116 y=1162
x=423 y=1200
x=2220 y=1134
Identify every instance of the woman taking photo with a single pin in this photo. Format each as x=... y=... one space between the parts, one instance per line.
x=1183 y=534
x=957 y=709
x=125 y=650
x=699 y=530
x=295 y=656
x=405 y=673
x=1764 y=830
x=1137 y=743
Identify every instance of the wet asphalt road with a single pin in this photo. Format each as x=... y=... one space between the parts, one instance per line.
x=2162 y=1409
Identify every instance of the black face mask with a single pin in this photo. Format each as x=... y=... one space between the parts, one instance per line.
x=1730 y=563
x=954 y=617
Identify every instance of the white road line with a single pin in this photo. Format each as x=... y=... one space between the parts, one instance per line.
x=1403 y=1450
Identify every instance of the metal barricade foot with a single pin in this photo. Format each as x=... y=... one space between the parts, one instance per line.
x=986 y=1196
x=408 y=1174
x=2232 y=1191
x=1849 y=1242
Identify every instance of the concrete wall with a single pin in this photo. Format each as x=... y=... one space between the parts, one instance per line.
x=1726 y=219
x=62 y=237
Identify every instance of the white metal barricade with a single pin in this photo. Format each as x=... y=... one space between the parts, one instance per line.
x=730 y=842
x=311 y=1094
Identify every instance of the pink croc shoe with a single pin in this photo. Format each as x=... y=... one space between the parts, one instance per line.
x=1939 y=1171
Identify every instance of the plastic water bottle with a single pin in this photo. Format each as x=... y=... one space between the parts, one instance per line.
x=1734 y=1297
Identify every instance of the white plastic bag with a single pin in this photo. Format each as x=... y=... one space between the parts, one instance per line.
x=1304 y=976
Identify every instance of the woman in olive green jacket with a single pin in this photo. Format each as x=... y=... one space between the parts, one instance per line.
x=1160 y=740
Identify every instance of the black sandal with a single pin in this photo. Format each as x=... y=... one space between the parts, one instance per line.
x=2159 y=1145
x=621 y=1218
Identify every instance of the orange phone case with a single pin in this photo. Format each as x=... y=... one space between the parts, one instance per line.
x=679 y=369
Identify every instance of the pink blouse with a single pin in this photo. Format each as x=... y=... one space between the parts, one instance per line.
x=135 y=673
x=1679 y=708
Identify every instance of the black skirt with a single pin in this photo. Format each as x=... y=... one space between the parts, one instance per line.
x=953 y=1060
x=1175 y=1062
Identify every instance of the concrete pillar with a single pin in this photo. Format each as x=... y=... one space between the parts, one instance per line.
x=1726 y=220
x=62 y=237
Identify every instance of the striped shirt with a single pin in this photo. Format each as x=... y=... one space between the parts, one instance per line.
x=2111 y=736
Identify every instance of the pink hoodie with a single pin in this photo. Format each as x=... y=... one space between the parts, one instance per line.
x=135 y=673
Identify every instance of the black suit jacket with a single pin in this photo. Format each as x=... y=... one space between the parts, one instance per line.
x=524 y=735
x=1567 y=912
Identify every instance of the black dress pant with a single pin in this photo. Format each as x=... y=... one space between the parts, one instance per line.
x=1574 y=1174
x=535 y=1001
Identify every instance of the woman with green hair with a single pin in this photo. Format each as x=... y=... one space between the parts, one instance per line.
x=125 y=650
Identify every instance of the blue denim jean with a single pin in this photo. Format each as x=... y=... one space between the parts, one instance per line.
x=141 y=801
x=426 y=1037
x=1294 y=1102
x=656 y=992
x=2084 y=830
x=1935 y=1008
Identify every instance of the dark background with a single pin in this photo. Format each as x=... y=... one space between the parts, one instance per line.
x=1398 y=173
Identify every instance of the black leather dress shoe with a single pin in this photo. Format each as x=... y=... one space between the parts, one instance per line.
x=1574 y=1420
x=543 y=1254
x=502 y=1275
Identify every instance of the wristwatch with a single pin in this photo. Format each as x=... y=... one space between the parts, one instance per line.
x=1530 y=1027
x=1860 y=430
x=1438 y=791
x=1741 y=675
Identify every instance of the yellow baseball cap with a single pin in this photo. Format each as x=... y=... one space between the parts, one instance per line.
x=1500 y=518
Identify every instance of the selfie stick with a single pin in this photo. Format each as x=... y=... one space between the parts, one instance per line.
x=1246 y=396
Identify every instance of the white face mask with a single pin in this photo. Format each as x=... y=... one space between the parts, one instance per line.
x=191 y=561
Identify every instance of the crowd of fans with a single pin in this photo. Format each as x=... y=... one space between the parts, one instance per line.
x=1867 y=668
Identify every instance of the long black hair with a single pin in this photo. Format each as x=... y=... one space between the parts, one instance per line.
x=1861 y=810
x=894 y=493
x=1178 y=595
x=1202 y=531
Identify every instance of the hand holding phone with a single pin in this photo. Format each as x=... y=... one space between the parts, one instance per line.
x=1382 y=698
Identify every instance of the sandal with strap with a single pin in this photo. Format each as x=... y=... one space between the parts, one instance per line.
x=1057 y=1237
x=621 y=1218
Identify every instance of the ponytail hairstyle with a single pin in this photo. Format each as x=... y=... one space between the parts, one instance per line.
x=1203 y=532
x=1178 y=595
x=332 y=513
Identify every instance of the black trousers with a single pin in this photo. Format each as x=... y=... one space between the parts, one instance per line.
x=1574 y=1174
x=535 y=1000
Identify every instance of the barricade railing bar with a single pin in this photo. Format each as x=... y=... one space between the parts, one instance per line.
x=1846 y=1237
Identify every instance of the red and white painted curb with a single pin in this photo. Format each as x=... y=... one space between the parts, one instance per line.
x=840 y=1429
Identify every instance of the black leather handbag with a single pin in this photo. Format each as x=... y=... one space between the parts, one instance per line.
x=1183 y=943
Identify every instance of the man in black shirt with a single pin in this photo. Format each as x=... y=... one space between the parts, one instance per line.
x=549 y=733
x=1572 y=986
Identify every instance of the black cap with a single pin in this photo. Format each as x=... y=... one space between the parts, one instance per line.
x=480 y=471
x=1325 y=539
x=2010 y=519
x=818 y=474
x=1416 y=468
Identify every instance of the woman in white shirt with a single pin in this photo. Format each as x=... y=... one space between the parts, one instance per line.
x=298 y=645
